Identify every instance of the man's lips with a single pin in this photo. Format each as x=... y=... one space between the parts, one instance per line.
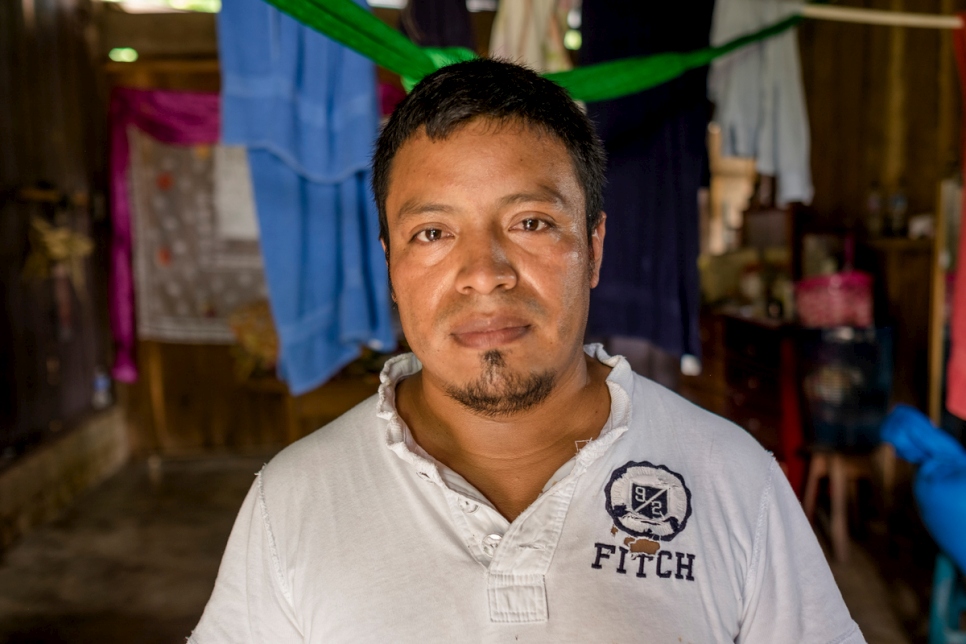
x=486 y=333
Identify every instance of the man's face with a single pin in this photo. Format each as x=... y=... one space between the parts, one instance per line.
x=490 y=263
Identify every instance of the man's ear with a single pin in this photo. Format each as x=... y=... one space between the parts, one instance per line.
x=597 y=249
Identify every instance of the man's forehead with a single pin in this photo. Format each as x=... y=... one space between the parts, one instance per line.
x=427 y=139
x=539 y=166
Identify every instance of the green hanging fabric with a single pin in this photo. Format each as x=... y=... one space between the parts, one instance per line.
x=351 y=25
x=617 y=78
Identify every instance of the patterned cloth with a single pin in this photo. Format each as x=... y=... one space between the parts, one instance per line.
x=189 y=276
x=177 y=118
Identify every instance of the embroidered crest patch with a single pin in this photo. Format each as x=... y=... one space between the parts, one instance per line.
x=647 y=500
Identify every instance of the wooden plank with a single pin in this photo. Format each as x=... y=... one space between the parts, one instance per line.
x=895 y=107
x=154 y=370
x=937 y=314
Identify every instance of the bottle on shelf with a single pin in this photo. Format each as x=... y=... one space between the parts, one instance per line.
x=874 y=223
x=898 y=209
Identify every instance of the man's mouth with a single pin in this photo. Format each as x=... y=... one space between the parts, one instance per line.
x=489 y=333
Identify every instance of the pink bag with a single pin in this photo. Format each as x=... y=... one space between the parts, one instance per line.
x=841 y=299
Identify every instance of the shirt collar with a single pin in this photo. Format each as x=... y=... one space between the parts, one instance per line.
x=620 y=383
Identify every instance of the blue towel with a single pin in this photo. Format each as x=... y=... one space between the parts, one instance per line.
x=940 y=484
x=306 y=109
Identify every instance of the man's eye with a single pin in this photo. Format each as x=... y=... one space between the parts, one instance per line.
x=532 y=225
x=429 y=235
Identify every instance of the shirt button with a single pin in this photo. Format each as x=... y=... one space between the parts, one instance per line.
x=490 y=542
x=468 y=506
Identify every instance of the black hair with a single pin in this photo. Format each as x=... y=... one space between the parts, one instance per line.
x=504 y=92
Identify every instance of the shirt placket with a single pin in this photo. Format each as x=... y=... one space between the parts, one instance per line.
x=516 y=556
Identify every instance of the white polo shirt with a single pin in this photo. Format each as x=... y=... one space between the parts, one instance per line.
x=674 y=525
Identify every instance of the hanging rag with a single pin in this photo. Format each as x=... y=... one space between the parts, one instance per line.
x=530 y=32
x=306 y=109
x=940 y=483
x=758 y=95
x=956 y=367
x=656 y=162
x=175 y=118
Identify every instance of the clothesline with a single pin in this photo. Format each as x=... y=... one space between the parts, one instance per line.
x=880 y=17
x=353 y=26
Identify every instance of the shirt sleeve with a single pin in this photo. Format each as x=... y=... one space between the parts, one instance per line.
x=251 y=601
x=790 y=594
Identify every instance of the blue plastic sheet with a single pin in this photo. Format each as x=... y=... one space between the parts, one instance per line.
x=940 y=483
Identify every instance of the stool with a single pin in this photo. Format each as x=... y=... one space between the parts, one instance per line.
x=843 y=470
x=948 y=603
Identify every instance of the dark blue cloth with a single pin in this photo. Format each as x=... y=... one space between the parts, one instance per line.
x=657 y=161
x=306 y=109
x=438 y=23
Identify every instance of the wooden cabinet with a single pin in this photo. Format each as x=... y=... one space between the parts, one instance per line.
x=761 y=378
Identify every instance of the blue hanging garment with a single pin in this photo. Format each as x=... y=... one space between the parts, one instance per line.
x=306 y=109
x=940 y=483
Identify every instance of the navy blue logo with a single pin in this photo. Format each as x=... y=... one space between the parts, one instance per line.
x=647 y=500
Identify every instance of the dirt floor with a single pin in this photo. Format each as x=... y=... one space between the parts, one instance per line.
x=135 y=560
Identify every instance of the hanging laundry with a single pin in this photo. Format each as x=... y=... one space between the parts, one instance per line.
x=656 y=162
x=190 y=277
x=758 y=95
x=530 y=32
x=234 y=195
x=438 y=23
x=306 y=109
x=177 y=118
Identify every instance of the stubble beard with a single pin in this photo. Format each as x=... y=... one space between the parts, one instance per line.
x=499 y=392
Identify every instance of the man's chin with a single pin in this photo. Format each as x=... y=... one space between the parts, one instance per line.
x=498 y=395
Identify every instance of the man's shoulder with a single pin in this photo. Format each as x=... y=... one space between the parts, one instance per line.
x=344 y=444
x=710 y=444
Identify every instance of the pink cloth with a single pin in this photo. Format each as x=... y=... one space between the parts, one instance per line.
x=956 y=369
x=175 y=118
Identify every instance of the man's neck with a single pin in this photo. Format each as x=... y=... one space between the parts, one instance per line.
x=509 y=459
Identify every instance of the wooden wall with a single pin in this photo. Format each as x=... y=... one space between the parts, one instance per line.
x=884 y=105
x=52 y=123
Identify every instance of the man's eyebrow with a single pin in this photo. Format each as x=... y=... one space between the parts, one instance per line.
x=543 y=194
x=416 y=207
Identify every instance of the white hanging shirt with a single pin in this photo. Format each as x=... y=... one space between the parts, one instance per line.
x=758 y=95
x=674 y=525
x=528 y=32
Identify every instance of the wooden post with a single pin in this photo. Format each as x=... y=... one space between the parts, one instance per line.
x=155 y=373
x=937 y=311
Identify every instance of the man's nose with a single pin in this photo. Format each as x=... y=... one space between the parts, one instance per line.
x=484 y=266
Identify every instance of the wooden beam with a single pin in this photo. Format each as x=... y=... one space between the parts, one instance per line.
x=895 y=18
x=165 y=66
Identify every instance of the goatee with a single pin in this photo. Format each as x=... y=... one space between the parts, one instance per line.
x=499 y=392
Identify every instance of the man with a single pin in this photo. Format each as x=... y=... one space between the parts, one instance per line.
x=508 y=484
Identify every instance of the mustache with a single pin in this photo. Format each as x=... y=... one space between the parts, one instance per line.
x=507 y=303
